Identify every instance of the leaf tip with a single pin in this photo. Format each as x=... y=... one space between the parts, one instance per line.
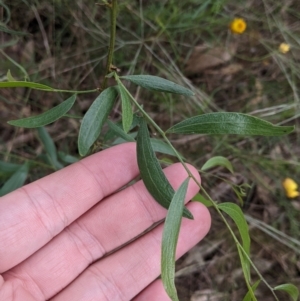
x=82 y=150
x=187 y=213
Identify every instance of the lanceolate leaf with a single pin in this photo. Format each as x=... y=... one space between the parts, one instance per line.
x=235 y=212
x=66 y=158
x=151 y=172
x=46 y=117
x=170 y=239
x=94 y=118
x=16 y=180
x=162 y=147
x=120 y=132
x=23 y=84
x=229 y=123
x=49 y=147
x=200 y=198
x=289 y=288
x=113 y=131
x=158 y=84
x=8 y=168
x=158 y=146
x=245 y=264
x=217 y=161
x=127 y=114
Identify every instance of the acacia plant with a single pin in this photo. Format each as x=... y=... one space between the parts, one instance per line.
x=218 y=123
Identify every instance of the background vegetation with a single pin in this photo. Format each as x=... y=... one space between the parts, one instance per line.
x=189 y=42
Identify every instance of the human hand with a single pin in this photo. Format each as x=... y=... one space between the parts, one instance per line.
x=56 y=233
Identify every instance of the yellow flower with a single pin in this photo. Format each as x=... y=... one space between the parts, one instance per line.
x=290 y=187
x=284 y=48
x=238 y=25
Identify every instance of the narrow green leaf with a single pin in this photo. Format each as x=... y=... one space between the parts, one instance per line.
x=23 y=84
x=10 y=77
x=235 y=212
x=162 y=147
x=8 y=168
x=158 y=146
x=47 y=117
x=289 y=288
x=158 y=84
x=66 y=158
x=170 y=239
x=94 y=118
x=110 y=134
x=120 y=140
x=217 y=161
x=120 y=132
x=47 y=143
x=245 y=264
x=201 y=199
x=49 y=147
x=151 y=172
x=253 y=287
x=228 y=123
x=127 y=114
x=15 y=181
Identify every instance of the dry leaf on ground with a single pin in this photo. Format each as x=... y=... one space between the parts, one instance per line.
x=204 y=57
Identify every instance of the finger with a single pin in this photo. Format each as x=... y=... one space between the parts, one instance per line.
x=14 y=292
x=154 y=291
x=113 y=222
x=31 y=216
x=125 y=273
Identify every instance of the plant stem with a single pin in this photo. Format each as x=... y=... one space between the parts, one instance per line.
x=113 y=23
x=71 y=91
x=54 y=90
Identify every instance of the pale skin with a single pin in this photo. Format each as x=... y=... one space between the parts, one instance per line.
x=55 y=233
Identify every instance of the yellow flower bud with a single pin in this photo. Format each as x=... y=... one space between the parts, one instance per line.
x=290 y=187
x=238 y=25
x=284 y=48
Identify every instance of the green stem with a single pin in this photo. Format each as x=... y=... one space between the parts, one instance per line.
x=113 y=23
x=55 y=90
x=70 y=91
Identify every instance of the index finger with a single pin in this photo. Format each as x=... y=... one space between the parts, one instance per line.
x=32 y=215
